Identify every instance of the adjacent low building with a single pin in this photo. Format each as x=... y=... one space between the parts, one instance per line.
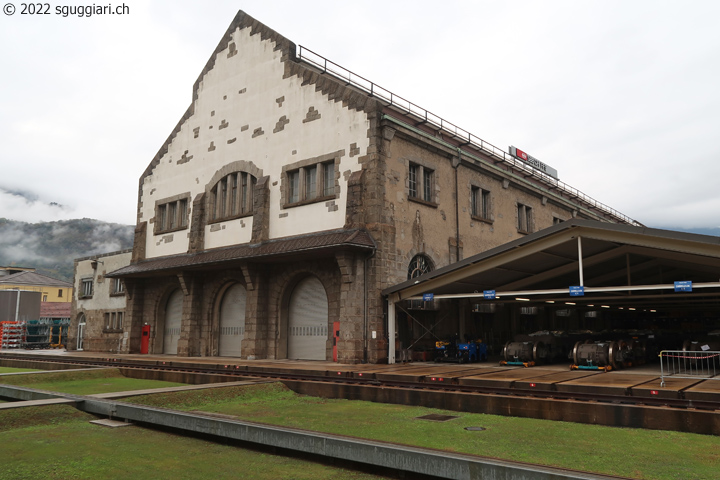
x=98 y=308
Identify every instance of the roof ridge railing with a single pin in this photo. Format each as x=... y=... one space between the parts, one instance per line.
x=405 y=106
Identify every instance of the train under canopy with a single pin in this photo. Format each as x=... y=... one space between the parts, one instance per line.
x=581 y=291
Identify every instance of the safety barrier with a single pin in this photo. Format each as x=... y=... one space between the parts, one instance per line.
x=689 y=364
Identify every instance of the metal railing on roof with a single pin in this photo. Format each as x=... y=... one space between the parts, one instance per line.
x=466 y=138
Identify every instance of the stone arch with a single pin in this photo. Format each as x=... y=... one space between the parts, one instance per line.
x=217 y=292
x=328 y=274
x=419 y=264
x=158 y=329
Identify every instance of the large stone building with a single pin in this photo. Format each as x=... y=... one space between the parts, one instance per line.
x=288 y=197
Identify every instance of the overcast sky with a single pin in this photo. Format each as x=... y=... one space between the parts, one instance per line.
x=621 y=97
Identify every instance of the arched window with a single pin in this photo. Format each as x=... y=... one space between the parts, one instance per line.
x=232 y=196
x=419 y=265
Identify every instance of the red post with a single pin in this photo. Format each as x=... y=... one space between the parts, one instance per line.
x=145 y=340
x=336 y=336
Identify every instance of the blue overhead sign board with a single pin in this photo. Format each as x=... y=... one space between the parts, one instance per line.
x=489 y=294
x=427 y=297
x=577 y=291
x=683 y=286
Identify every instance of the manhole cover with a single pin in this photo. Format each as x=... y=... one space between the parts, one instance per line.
x=475 y=429
x=436 y=418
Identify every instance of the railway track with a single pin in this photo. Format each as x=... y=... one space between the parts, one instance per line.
x=345 y=378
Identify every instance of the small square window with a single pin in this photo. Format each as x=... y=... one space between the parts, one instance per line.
x=524 y=218
x=480 y=203
x=328 y=179
x=412 y=181
x=428 y=185
x=294 y=187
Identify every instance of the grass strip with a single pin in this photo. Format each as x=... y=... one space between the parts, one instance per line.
x=17 y=370
x=79 y=450
x=85 y=382
x=634 y=453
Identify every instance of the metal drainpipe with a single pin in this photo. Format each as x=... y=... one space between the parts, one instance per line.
x=17 y=306
x=365 y=303
x=457 y=211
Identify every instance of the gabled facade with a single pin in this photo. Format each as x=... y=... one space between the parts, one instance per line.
x=286 y=199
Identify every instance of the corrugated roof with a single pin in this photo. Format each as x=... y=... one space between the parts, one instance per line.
x=33 y=279
x=272 y=248
x=55 y=309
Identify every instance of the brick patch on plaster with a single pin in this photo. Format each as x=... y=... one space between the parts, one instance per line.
x=232 y=140
x=244 y=127
x=354 y=149
x=152 y=191
x=185 y=158
x=196 y=132
x=312 y=114
x=257 y=132
x=167 y=238
x=242 y=91
x=280 y=100
x=212 y=114
x=233 y=50
x=294 y=152
x=211 y=147
x=223 y=124
x=280 y=125
x=283 y=215
x=215 y=227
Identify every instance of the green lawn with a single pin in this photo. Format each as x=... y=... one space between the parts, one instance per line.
x=635 y=453
x=85 y=382
x=17 y=370
x=57 y=442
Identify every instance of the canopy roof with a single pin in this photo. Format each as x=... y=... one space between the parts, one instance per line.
x=621 y=265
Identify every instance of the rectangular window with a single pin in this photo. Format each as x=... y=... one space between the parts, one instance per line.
x=87 y=287
x=427 y=185
x=293 y=187
x=557 y=220
x=182 y=213
x=162 y=217
x=119 y=325
x=480 y=203
x=310 y=182
x=233 y=194
x=244 y=193
x=222 y=190
x=328 y=179
x=524 y=218
x=107 y=321
x=60 y=293
x=171 y=211
x=44 y=298
x=118 y=286
x=412 y=181
x=171 y=215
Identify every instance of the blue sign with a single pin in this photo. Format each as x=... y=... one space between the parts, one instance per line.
x=578 y=291
x=489 y=294
x=427 y=297
x=683 y=286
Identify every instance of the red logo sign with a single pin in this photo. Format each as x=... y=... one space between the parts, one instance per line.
x=521 y=154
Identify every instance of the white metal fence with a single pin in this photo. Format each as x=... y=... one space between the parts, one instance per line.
x=684 y=364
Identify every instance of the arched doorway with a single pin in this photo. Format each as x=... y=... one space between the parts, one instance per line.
x=173 y=321
x=308 y=320
x=232 y=321
x=80 y=332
